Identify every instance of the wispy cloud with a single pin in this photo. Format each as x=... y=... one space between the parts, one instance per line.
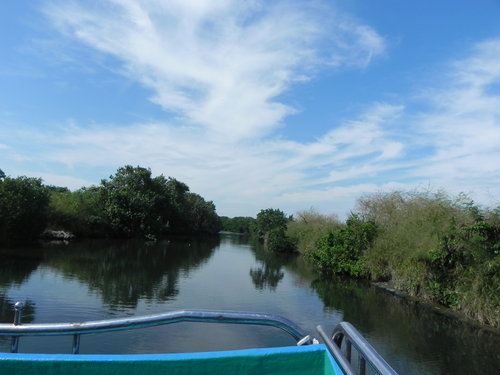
x=241 y=176
x=220 y=65
x=463 y=127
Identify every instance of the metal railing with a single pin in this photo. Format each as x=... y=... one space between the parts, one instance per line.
x=346 y=334
x=17 y=330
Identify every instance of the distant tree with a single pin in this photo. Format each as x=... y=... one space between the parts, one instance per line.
x=271 y=225
x=238 y=224
x=270 y=219
x=2 y=175
x=23 y=208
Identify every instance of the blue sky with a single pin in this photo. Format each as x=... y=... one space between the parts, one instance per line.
x=256 y=104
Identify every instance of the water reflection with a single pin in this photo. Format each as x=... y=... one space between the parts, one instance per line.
x=415 y=339
x=126 y=271
x=17 y=264
x=269 y=273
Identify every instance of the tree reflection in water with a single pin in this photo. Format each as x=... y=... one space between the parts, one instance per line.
x=269 y=274
x=16 y=265
x=122 y=272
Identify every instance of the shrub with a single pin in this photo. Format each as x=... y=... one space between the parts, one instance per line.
x=440 y=249
x=307 y=227
x=342 y=250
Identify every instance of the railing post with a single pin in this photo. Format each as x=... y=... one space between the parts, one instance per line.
x=76 y=344
x=18 y=312
x=348 y=349
x=362 y=365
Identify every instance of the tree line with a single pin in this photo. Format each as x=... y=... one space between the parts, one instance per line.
x=130 y=204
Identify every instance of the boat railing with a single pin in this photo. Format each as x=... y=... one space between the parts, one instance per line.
x=340 y=345
x=18 y=330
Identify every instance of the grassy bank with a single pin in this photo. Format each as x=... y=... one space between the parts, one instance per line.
x=428 y=245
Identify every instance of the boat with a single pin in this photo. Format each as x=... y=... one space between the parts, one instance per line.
x=335 y=355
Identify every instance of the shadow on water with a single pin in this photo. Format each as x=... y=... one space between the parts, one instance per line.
x=409 y=330
x=122 y=272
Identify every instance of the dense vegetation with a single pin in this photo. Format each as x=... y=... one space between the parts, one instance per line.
x=269 y=227
x=239 y=224
x=129 y=204
x=23 y=207
x=428 y=245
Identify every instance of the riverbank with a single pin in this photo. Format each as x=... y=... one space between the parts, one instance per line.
x=441 y=250
x=389 y=288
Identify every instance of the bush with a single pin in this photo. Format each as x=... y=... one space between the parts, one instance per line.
x=342 y=250
x=307 y=227
x=409 y=226
x=279 y=242
x=436 y=248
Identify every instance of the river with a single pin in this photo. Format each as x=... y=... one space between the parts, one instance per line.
x=103 y=279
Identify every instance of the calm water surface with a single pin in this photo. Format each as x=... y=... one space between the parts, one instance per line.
x=91 y=280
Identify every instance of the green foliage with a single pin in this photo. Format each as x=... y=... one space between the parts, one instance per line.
x=130 y=203
x=201 y=215
x=238 y=224
x=269 y=219
x=278 y=241
x=138 y=205
x=307 y=227
x=271 y=225
x=342 y=250
x=410 y=224
x=134 y=203
x=23 y=208
x=80 y=212
x=439 y=249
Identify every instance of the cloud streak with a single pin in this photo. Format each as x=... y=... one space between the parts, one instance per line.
x=221 y=66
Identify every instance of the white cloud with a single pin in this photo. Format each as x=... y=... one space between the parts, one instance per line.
x=241 y=177
x=222 y=64
x=463 y=129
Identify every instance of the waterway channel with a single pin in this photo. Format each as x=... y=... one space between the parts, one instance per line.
x=103 y=279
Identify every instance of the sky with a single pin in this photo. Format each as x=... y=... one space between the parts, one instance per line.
x=256 y=104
